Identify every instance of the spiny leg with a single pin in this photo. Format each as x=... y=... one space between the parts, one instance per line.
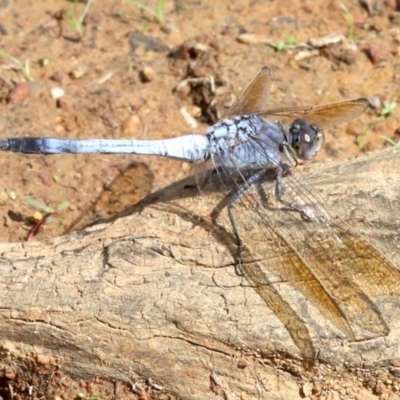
x=256 y=178
x=279 y=193
x=241 y=190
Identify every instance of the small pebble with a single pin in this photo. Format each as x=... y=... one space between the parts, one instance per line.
x=378 y=53
x=65 y=105
x=11 y=194
x=317 y=388
x=37 y=216
x=242 y=363
x=250 y=38
x=326 y=40
x=3 y=30
x=10 y=375
x=19 y=93
x=395 y=371
x=307 y=389
x=57 y=77
x=42 y=359
x=77 y=73
x=131 y=127
x=304 y=54
x=57 y=93
x=147 y=74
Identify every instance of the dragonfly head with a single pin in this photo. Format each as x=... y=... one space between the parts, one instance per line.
x=306 y=139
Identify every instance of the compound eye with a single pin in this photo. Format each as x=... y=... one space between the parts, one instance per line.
x=307 y=140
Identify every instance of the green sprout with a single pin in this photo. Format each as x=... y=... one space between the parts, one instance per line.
x=48 y=213
x=131 y=67
x=75 y=21
x=24 y=68
x=44 y=207
x=348 y=16
x=279 y=46
x=291 y=40
x=361 y=138
x=390 y=141
x=157 y=12
x=283 y=45
x=389 y=108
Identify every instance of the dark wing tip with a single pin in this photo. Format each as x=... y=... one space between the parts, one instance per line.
x=265 y=70
x=365 y=101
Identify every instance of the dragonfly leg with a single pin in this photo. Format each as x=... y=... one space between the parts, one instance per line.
x=279 y=192
x=240 y=192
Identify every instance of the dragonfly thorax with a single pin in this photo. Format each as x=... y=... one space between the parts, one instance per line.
x=246 y=141
x=238 y=128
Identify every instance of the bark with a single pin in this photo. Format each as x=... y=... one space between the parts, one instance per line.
x=154 y=293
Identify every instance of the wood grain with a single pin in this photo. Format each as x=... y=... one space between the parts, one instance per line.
x=152 y=293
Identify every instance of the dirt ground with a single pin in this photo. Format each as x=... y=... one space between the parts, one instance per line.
x=125 y=74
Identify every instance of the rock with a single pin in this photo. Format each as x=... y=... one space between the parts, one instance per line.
x=307 y=389
x=19 y=93
x=378 y=53
x=131 y=127
x=57 y=92
x=147 y=74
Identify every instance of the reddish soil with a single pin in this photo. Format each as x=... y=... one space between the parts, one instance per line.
x=122 y=76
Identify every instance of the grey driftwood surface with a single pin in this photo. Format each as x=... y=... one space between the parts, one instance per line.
x=152 y=293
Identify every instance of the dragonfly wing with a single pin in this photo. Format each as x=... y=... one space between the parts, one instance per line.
x=324 y=116
x=269 y=257
x=351 y=269
x=334 y=267
x=254 y=98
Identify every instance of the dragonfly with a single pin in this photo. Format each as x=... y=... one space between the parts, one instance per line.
x=291 y=235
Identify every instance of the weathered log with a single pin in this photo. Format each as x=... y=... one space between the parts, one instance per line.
x=153 y=293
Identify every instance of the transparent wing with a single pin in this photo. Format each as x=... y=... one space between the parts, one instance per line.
x=324 y=116
x=254 y=98
x=334 y=268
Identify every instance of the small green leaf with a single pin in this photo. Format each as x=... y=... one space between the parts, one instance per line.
x=36 y=203
x=350 y=21
x=157 y=12
x=291 y=40
x=131 y=67
x=361 y=139
x=39 y=204
x=63 y=205
x=279 y=46
x=389 y=108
